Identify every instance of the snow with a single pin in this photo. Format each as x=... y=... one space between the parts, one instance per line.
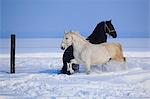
x=37 y=76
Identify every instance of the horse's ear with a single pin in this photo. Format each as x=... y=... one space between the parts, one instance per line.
x=110 y=20
x=71 y=31
x=65 y=31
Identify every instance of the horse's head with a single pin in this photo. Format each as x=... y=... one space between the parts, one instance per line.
x=109 y=28
x=68 y=39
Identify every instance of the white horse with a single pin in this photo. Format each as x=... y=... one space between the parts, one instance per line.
x=90 y=54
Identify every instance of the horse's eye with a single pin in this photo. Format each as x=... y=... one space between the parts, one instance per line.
x=66 y=38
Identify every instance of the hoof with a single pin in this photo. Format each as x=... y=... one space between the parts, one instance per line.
x=71 y=71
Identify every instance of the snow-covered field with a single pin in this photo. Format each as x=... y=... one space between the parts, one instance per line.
x=37 y=77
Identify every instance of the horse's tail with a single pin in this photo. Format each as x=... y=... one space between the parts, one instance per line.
x=121 y=51
x=119 y=46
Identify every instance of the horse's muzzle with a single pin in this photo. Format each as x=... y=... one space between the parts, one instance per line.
x=62 y=48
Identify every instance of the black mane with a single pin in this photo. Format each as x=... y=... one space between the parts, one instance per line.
x=98 y=35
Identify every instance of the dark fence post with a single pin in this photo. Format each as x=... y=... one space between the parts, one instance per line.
x=12 y=55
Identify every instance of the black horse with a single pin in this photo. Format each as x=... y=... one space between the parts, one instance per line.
x=98 y=36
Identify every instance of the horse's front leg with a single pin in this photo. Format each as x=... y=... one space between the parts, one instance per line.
x=69 y=68
x=69 y=65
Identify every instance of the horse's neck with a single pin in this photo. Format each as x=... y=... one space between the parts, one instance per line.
x=98 y=35
x=78 y=44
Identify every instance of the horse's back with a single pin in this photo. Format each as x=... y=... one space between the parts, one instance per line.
x=98 y=54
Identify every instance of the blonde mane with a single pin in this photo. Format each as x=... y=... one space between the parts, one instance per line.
x=78 y=34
